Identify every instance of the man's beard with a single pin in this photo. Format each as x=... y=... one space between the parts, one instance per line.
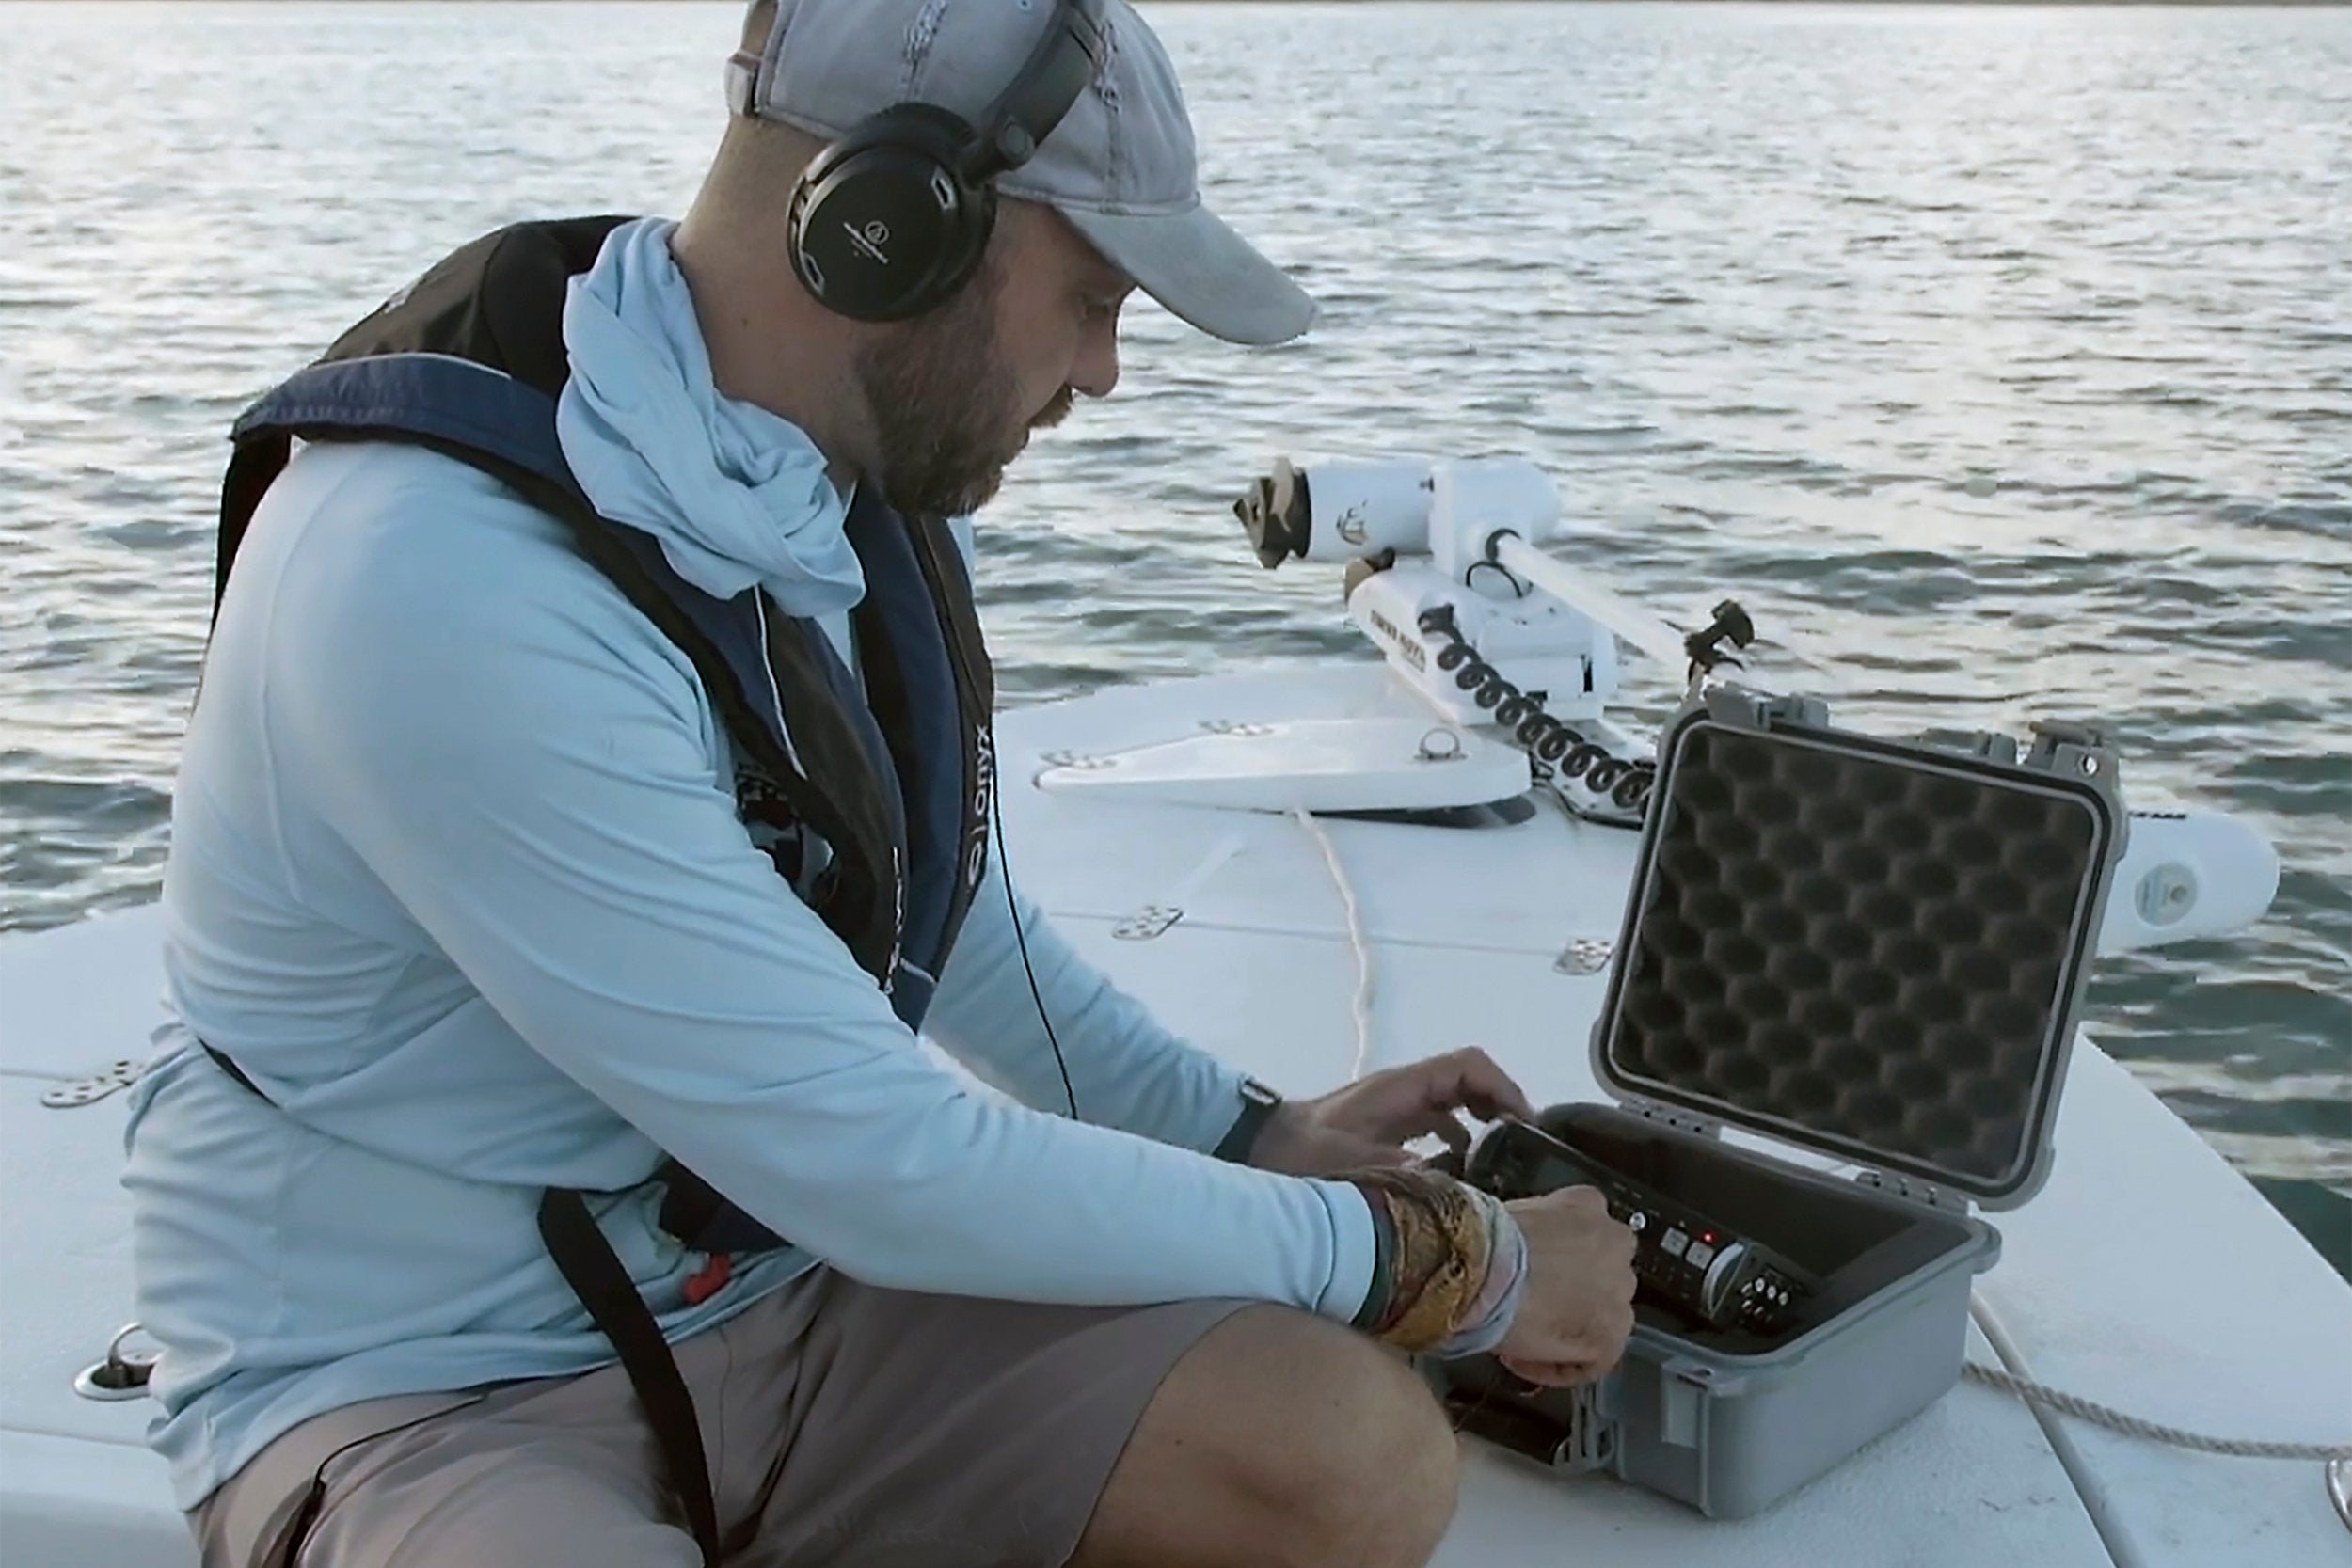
x=943 y=408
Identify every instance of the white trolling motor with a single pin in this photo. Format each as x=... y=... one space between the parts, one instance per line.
x=1445 y=577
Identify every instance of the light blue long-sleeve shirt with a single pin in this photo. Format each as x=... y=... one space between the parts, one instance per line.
x=457 y=879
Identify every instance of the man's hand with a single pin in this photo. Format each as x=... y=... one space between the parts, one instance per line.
x=1369 y=1122
x=1574 y=1320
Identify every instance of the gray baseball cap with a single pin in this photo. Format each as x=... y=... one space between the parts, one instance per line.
x=1121 y=166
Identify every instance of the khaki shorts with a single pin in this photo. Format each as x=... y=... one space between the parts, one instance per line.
x=844 y=1425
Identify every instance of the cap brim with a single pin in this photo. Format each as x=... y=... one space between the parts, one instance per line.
x=1194 y=264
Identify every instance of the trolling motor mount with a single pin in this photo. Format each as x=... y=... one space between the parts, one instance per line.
x=1444 y=576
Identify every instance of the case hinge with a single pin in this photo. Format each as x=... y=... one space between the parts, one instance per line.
x=1911 y=1190
x=2060 y=746
x=1674 y=1117
x=1729 y=704
x=2074 y=750
x=1991 y=745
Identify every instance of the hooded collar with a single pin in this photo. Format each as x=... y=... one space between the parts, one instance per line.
x=735 y=494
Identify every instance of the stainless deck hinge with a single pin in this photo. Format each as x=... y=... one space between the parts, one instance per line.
x=1077 y=761
x=1584 y=956
x=85 y=1091
x=1146 y=923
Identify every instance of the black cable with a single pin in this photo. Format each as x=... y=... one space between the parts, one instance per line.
x=1012 y=912
x=1004 y=852
x=1470 y=577
x=1552 y=741
x=286 y=1547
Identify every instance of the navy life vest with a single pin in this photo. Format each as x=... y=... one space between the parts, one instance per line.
x=896 y=783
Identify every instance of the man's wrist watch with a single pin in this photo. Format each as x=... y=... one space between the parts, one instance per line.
x=1258 y=1106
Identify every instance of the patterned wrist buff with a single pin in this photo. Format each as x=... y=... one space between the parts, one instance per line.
x=1432 y=1278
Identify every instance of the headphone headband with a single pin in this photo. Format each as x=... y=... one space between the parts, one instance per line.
x=1046 y=87
x=1066 y=59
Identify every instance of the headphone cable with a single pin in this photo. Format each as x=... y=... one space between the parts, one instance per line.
x=1013 y=910
x=995 y=777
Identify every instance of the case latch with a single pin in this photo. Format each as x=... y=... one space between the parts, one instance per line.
x=1571 y=1430
x=1913 y=1190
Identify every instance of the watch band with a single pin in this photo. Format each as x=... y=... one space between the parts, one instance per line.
x=1258 y=1106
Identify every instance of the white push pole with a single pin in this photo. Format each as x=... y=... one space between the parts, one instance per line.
x=1630 y=622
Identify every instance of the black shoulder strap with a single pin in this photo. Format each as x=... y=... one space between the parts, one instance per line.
x=498 y=423
x=594 y=1270
x=497 y=300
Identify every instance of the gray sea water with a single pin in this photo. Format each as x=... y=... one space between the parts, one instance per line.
x=1998 y=358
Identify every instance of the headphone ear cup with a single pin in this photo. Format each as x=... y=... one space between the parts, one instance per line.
x=882 y=225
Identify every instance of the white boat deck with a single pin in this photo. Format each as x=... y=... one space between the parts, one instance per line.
x=2146 y=1276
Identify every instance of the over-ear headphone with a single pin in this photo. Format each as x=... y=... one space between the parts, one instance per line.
x=891 y=220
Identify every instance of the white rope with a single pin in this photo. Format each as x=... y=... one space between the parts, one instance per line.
x=2072 y=1404
x=1354 y=939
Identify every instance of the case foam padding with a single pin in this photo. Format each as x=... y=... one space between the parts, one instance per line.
x=1865 y=947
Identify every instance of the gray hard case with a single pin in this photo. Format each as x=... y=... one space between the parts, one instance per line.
x=1872 y=949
